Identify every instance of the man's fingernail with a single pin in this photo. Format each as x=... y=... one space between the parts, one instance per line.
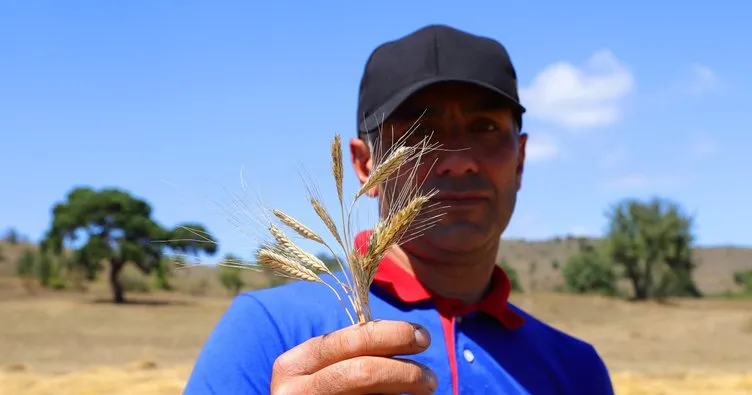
x=431 y=379
x=422 y=336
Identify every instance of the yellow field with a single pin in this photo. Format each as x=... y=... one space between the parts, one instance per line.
x=154 y=381
x=70 y=345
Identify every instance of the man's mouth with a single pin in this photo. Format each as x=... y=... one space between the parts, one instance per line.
x=461 y=199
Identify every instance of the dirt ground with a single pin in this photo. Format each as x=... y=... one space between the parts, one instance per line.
x=72 y=345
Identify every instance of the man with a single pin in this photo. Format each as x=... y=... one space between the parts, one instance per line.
x=445 y=325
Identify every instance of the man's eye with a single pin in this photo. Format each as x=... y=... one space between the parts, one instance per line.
x=484 y=126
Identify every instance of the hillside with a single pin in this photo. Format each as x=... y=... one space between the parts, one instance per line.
x=535 y=262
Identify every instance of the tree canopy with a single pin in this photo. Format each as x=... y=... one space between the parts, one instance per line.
x=647 y=243
x=652 y=242
x=111 y=227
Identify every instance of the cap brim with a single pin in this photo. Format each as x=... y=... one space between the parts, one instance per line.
x=386 y=109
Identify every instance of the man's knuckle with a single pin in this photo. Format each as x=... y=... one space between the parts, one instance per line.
x=360 y=371
x=286 y=388
x=360 y=341
x=283 y=364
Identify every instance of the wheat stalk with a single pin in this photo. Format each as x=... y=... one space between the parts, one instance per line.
x=409 y=212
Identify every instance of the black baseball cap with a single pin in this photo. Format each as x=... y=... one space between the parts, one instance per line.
x=435 y=53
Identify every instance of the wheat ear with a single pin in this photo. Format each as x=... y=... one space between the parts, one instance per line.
x=308 y=260
x=275 y=260
x=402 y=221
x=307 y=233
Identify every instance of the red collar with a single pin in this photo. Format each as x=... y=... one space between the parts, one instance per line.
x=404 y=286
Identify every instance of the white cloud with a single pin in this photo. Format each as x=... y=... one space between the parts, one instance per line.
x=541 y=147
x=585 y=96
x=701 y=80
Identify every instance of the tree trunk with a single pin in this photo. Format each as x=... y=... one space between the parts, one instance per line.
x=118 y=293
x=633 y=273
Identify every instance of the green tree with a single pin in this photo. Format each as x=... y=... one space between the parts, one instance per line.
x=514 y=278
x=330 y=261
x=162 y=274
x=192 y=239
x=26 y=264
x=12 y=236
x=589 y=271
x=42 y=268
x=111 y=227
x=230 y=277
x=743 y=278
x=652 y=243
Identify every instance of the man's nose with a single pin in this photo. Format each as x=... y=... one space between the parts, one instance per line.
x=455 y=160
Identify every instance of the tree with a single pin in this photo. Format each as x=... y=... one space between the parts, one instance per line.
x=589 y=271
x=652 y=242
x=26 y=269
x=743 y=278
x=192 y=239
x=111 y=227
x=12 y=236
x=331 y=262
x=41 y=268
x=230 y=276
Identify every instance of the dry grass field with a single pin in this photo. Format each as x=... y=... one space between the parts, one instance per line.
x=68 y=343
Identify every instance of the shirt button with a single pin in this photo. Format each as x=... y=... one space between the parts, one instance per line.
x=469 y=357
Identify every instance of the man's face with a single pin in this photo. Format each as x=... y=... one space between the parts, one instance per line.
x=477 y=171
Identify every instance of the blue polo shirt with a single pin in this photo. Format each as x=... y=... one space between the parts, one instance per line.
x=492 y=347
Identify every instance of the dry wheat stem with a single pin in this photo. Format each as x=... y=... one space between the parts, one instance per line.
x=382 y=174
x=337 y=166
x=297 y=226
x=276 y=261
x=389 y=231
x=408 y=213
x=383 y=170
x=318 y=207
x=296 y=252
x=345 y=241
x=305 y=258
x=323 y=214
x=286 y=246
x=279 y=264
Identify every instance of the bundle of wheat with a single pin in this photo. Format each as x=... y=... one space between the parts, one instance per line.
x=408 y=212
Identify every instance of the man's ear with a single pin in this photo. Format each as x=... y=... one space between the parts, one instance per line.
x=362 y=162
x=521 y=159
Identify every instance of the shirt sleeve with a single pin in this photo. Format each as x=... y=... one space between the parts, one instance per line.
x=599 y=379
x=238 y=355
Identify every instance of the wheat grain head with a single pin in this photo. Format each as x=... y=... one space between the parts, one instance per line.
x=408 y=212
x=278 y=261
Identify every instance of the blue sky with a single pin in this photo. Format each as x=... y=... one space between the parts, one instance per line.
x=170 y=99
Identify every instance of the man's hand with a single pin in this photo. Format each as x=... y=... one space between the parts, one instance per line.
x=356 y=360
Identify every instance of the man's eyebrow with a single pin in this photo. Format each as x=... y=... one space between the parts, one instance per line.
x=490 y=104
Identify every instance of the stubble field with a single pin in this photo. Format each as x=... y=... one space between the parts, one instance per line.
x=72 y=344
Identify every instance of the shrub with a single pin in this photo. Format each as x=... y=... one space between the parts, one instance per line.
x=743 y=278
x=589 y=271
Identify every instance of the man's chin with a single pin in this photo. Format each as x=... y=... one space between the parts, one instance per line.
x=457 y=238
